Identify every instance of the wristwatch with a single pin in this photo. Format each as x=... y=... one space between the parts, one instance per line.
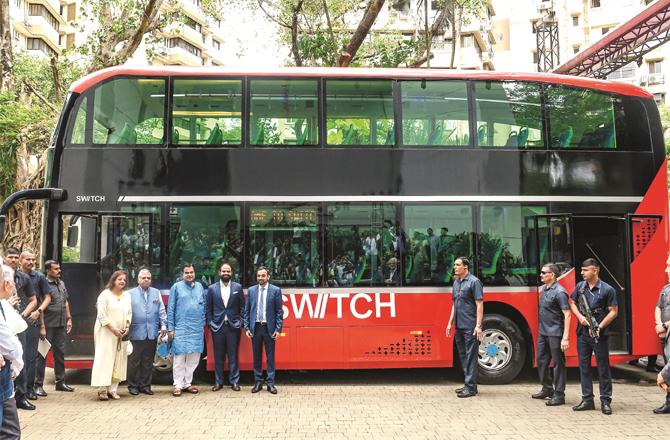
x=665 y=326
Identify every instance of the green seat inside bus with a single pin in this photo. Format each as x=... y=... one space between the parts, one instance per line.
x=127 y=135
x=523 y=137
x=300 y=133
x=215 y=137
x=481 y=135
x=566 y=137
x=175 y=136
x=435 y=137
x=390 y=137
x=492 y=269
x=348 y=137
x=260 y=135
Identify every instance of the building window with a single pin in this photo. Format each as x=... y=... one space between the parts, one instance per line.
x=467 y=41
x=216 y=44
x=575 y=49
x=41 y=11
x=575 y=20
x=605 y=30
x=595 y=3
x=188 y=21
x=178 y=42
x=626 y=72
x=659 y=98
x=18 y=3
x=39 y=44
x=533 y=25
x=654 y=67
x=536 y=59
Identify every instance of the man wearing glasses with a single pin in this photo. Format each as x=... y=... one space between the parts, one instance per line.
x=552 y=341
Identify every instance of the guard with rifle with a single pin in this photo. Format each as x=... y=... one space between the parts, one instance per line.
x=594 y=304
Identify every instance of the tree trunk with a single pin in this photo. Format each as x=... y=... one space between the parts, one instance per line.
x=6 y=55
x=371 y=13
x=295 y=50
x=456 y=24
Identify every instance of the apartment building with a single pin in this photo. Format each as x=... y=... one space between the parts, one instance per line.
x=580 y=24
x=42 y=27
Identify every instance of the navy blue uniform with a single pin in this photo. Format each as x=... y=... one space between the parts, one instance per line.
x=26 y=291
x=465 y=294
x=599 y=299
x=553 y=301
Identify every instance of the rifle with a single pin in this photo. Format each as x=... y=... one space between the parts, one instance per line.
x=585 y=310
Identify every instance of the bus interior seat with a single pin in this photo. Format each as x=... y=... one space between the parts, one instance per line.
x=523 y=136
x=566 y=137
x=175 y=136
x=606 y=136
x=512 y=139
x=481 y=135
x=348 y=137
x=127 y=135
x=390 y=137
x=300 y=134
x=215 y=137
x=435 y=137
x=260 y=134
x=492 y=269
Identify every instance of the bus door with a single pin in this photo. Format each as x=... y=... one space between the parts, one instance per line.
x=94 y=246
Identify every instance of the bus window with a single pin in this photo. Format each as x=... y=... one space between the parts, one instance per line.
x=359 y=112
x=206 y=112
x=205 y=236
x=78 y=136
x=509 y=114
x=435 y=113
x=286 y=240
x=361 y=244
x=436 y=236
x=79 y=238
x=284 y=112
x=580 y=118
x=506 y=245
x=129 y=111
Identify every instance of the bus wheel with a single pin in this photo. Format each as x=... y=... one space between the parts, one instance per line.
x=502 y=352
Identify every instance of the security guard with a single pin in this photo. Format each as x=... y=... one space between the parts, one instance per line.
x=468 y=312
x=602 y=301
x=553 y=339
x=662 y=315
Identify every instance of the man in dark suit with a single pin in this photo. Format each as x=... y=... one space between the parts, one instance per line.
x=225 y=304
x=263 y=316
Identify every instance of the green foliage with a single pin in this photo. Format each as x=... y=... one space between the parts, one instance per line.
x=37 y=72
x=387 y=50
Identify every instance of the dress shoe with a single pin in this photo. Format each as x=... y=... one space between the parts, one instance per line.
x=217 y=387
x=62 y=386
x=133 y=391
x=24 y=404
x=543 y=394
x=272 y=389
x=39 y=390
x=31 y=395
x=146 y=391
x=466 y=393
x=663 y=409
x=458 y=390
x=584 y=405
x=606 y=409
x=257 y=387
x=555 y=401
x=235 y=387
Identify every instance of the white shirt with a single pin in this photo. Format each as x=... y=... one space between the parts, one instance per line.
x=262 y=299
x=225 y=296
x=10 y=347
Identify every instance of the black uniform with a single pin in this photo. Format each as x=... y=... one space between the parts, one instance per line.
x=25 y=290
x=664 y=305
x=55 y=319
x=553 y=301
x=465 y=294
x=599 y=299
x=33 y=332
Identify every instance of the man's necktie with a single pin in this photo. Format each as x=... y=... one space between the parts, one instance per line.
x=261 y=305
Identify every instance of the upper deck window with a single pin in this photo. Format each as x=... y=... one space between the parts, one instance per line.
x=129 y=111
x=284 y=112
x=359 y=112
x=206 y=112
x=581 y=118
x=435 y=113
x=509 y=114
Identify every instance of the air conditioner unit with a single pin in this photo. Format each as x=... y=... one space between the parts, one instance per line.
x=643 y=80
x=656 y=78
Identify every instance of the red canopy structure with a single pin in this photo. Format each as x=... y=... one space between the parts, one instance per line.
x=625 y=44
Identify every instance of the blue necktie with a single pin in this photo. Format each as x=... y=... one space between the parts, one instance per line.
x=261 y=305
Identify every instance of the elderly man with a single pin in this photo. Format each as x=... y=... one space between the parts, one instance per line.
x=149 y=318
x=186 y=322
x=11 y=359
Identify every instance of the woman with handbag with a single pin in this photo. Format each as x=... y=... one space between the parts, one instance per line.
x=111 y=337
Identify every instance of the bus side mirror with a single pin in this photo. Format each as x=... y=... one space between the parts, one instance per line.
x=72 y=235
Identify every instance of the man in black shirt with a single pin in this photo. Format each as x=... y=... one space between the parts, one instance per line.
x=27 y=303
x=553 y=336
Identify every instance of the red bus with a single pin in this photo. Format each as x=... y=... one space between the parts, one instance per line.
x=358 y=189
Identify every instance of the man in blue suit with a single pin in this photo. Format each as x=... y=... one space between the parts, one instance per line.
x=149 y=318
x=263 y=316
x=225 y=304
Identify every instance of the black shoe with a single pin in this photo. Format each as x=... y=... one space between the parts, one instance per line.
x=555 y=401
x=31 y=395
x=272 y=389
x=62 y=386
x=584 y=405
x=257 y=387
x=467 y=393
x=458 y=390
x=39 y=390
x=544 y=394
x=235 y=387
x=24 y=404
x=133 y=391
x=663 y=409
x=606 y=409
x=147 y=391
x=217 y=387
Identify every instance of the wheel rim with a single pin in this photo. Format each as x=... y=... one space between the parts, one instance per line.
x=495 y=350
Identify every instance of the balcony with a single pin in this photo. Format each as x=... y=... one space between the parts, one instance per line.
x=177 y=55
x=656 y=78
x=52 y=5
x=39 y=27
x=189 y=7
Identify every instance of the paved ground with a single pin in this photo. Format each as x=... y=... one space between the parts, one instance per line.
x=397 y=404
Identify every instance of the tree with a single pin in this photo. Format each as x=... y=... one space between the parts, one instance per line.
x=6 y=55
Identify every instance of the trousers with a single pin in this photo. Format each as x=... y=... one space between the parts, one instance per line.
x=468 y=352
x=548 y=349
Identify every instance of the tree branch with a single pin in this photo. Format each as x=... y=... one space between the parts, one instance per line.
x=295 y=13
x=32 y=90
x=272 y=17
x=371 y=13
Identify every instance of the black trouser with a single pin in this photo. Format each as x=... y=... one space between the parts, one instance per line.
x=262 y=337
x=666 y=355
x=141 y=363
x=585 y=347
x=226 y=341
x=548 y=349
x=468 y=348
x=56 y=336
x=26 y=379
x=10 y=429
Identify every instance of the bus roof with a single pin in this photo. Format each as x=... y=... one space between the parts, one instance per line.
x=337 y=72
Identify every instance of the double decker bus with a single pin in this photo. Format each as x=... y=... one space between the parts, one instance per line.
x=358 y=189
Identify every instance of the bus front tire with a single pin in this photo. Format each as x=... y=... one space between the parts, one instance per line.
x=502 y=353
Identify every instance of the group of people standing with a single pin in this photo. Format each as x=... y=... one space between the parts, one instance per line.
x=129 y=324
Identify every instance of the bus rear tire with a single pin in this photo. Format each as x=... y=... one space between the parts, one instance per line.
x=502 y=353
